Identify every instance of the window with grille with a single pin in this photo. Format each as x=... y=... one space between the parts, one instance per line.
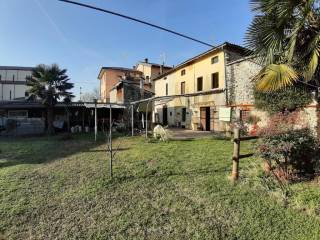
x=244 y=115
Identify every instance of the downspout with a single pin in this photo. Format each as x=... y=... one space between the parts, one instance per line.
x=225 y=78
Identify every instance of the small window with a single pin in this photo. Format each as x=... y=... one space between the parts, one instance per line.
x=214 y=59
x=244 y=115
x=10 y=95
x=12 y=77
x=183 y=87
x=215 y=80
x=200 y=83
x=167 y=90
x=183 y=72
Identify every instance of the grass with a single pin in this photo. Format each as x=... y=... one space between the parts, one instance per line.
x=60 y=189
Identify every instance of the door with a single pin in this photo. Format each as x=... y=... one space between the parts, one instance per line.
x=184 y=114
x=165 y=116
x=205 y=118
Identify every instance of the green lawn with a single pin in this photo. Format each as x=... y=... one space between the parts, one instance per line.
x=55 y=189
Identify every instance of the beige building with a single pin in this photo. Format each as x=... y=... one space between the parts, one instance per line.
x=110 y=76
x=13 y=82
x=203 y=78
x=151 y=70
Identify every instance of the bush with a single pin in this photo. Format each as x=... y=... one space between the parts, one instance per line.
x=288 y=99
x=289 y=145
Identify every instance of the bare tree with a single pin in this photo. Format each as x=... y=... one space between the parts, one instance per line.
x=90 y=96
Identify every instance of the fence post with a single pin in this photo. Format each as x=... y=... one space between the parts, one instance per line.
x=236 y=153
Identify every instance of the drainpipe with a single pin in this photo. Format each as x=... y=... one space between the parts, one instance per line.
x=225 y=78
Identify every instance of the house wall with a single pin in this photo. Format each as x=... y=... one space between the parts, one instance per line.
x=240 y=74
x=109 y=78
x=113 y=95
x=199 y=68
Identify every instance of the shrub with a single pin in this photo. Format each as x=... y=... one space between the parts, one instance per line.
x=288 y=99
x=288 y=144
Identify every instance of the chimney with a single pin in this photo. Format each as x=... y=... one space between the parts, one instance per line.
x=146 y=60
x=161 y=69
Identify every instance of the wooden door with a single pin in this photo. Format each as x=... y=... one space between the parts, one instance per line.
x=205 y=118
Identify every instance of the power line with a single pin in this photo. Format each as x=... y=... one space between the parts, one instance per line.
x=138 y=20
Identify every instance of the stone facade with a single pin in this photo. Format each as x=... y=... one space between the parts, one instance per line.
x=239 y=77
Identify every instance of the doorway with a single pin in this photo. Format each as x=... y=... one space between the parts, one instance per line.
x=205 y=118
x=165 y=116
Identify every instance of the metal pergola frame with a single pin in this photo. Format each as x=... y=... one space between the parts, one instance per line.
x=169 y=98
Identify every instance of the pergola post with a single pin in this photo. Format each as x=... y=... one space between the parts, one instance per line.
x=132 y=121
x=95 y=120
x=110 y=141
x=147 y=119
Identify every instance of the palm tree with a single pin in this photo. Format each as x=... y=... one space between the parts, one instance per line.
x=49 y=84
x=285 y=36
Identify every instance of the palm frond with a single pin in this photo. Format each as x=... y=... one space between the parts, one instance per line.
x=275 y=76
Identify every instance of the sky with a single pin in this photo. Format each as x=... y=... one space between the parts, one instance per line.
x=83 y=40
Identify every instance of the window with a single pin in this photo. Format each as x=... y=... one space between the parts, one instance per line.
x=26 y=94
x=215 y=80
x=12 y=77
x=0 y=77
x=167 y=90
x=214 y=59
x=183 y=72
x=183 y=87
x=10 y=95
x=244 y=115
x=200 y=83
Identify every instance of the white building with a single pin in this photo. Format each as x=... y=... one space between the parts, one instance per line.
x=13 y=82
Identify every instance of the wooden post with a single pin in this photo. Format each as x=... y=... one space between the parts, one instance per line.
x=236 y=154
x=132 y=121
x=110 y=141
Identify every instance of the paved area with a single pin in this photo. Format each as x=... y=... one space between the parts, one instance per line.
x=185 y=134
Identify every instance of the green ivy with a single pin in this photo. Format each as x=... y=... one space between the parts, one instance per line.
x=288 y=99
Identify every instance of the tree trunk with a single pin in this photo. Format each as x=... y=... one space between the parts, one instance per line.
x=50 y=120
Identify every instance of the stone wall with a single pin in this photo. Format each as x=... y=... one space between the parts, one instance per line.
x=239 y=77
